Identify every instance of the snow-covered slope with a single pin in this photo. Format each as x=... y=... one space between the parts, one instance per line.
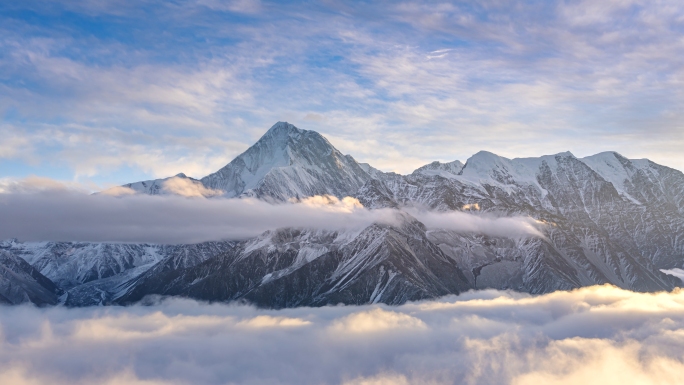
x=616 y=169
x=285 y=163
x=640 y=180
x=447 y=170
x=91 y=273
x=70 y=264
x=289 y=163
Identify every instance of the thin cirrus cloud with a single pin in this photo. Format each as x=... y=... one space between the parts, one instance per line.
x=395 y=84
x=594 y=335
x=40 y=209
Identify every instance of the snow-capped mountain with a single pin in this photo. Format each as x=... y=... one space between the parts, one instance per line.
x=596 y=233
x=607 y=219
x=289 y=163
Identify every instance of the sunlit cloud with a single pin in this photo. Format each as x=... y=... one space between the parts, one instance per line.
x=37 y=184
x=188 y=188
x=331 y=203
x=594 y=335
x=377 y=321
x=118 y=191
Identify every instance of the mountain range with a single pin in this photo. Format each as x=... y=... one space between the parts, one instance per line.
x=607 y=219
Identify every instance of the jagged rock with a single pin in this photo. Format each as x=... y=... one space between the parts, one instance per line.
x=21 y=283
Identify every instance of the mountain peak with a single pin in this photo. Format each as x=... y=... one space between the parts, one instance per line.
x=283 y=130
x=286 y=141
x=565 y=154
x=439 y=168
x=289 y=162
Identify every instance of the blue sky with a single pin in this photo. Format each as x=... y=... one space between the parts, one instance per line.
x=109 y=92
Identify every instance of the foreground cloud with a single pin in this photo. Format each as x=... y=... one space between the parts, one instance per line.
x=41 y=210
x=595 y=335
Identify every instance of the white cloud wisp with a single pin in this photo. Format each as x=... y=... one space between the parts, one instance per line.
x=463 y=222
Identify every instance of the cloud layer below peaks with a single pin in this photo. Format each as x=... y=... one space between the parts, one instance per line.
x=594 y=335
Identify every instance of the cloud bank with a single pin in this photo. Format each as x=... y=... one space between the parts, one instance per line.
x=594 y=335
x=40 y=209
x=72 y=216
x=188 y=188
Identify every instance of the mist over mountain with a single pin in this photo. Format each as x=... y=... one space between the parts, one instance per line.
x=536 y=225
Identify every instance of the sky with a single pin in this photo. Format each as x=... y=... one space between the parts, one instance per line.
x=106 y=92
x=598 y=335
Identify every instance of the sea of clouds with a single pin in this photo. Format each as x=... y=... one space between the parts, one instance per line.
x=594 y=335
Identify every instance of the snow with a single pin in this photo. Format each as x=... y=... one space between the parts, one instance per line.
x=508 y=174
x=370 y=170
x=445 y=170
x=616 y=169
x=288 y=162
x=71 y=263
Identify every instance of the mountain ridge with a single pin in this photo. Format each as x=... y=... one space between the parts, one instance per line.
x=279 y=150
x=611 y=220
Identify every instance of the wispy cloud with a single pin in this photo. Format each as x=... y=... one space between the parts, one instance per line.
x=397 y=84
x=463 y=222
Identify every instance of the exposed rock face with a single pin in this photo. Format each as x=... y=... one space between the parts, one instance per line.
x=292 y=267
x=93 y=273
x=21 y=283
